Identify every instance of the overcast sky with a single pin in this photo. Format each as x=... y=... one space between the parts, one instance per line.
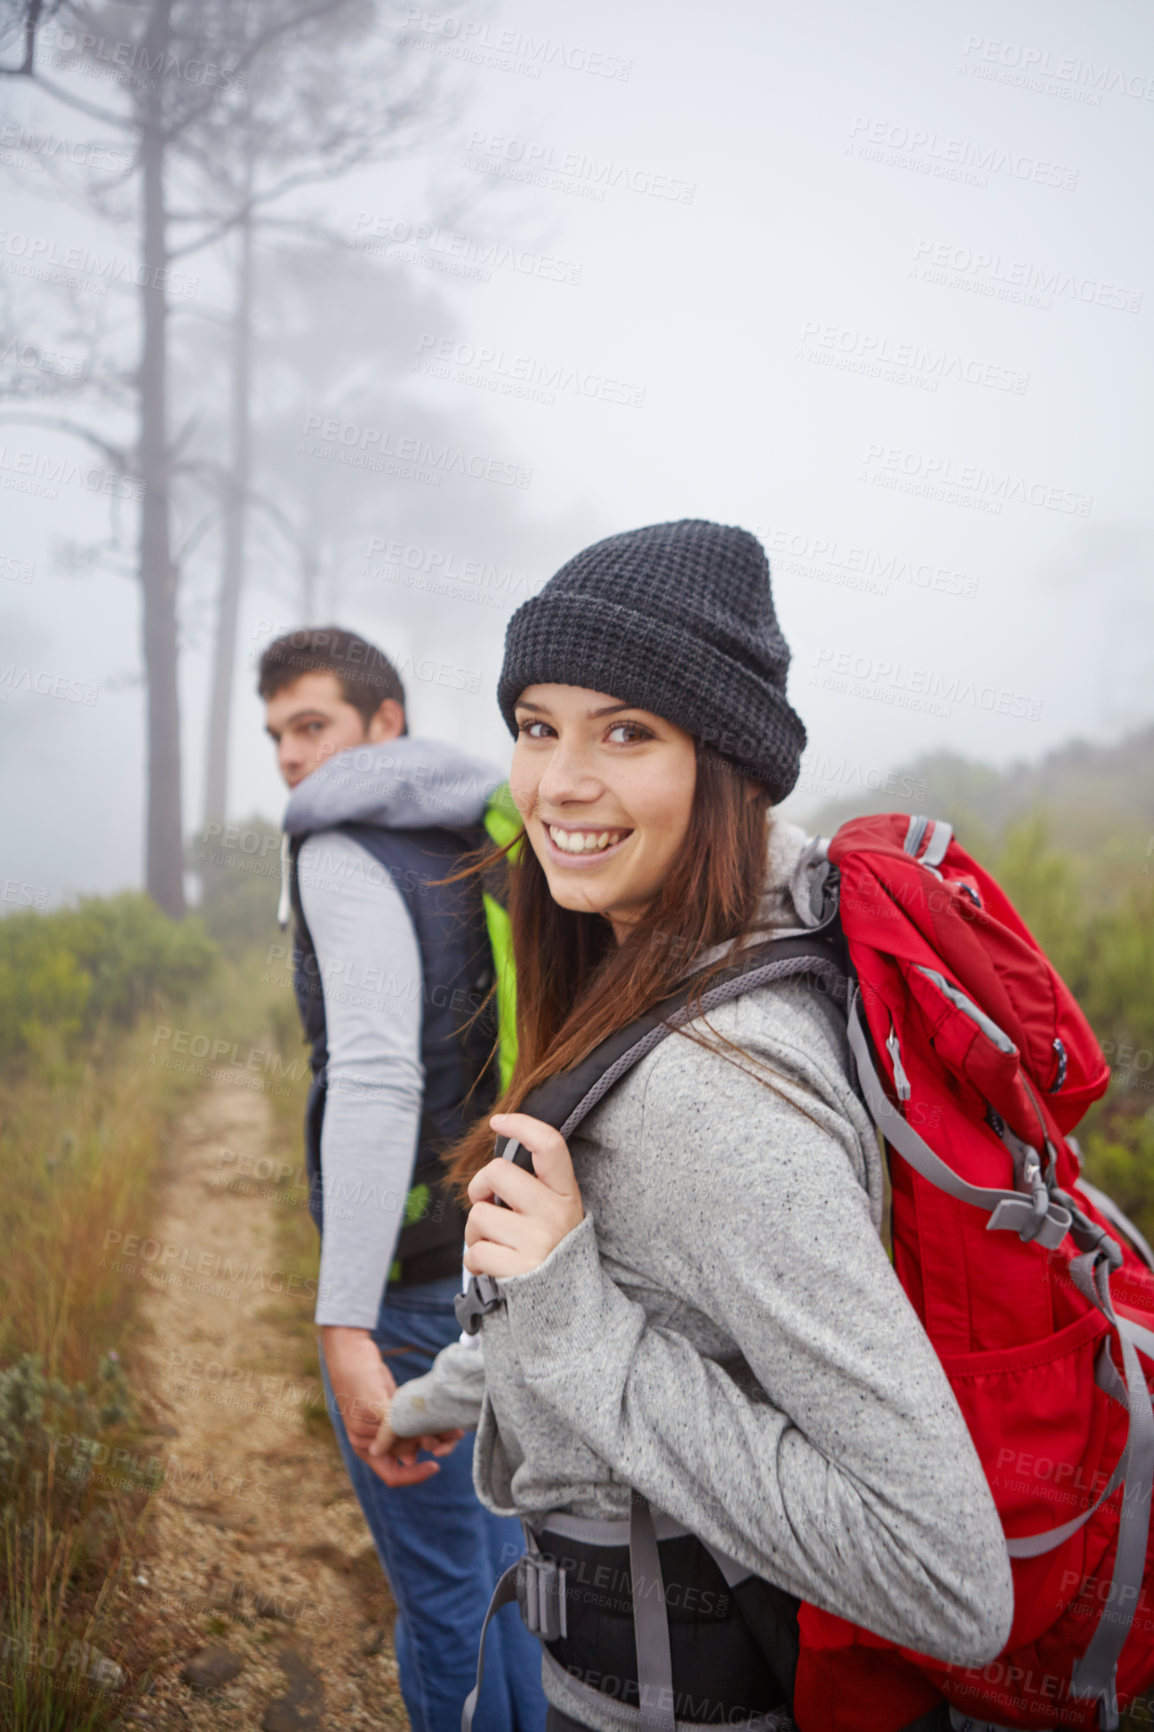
x=872 y=282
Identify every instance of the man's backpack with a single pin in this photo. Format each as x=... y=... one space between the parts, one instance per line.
x=502 y=823
x=975 y=1065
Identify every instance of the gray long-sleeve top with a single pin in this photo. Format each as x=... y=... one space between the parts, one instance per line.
x=724 y=1332
x=370 y=971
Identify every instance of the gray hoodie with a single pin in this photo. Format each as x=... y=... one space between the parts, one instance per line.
x=724 y=1332
x=371 y=974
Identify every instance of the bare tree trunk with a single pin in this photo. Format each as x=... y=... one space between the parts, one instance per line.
x=310 y=580
x=164 y=875
x=236 y=513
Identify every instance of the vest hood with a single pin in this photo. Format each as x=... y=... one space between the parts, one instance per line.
x=402 y=784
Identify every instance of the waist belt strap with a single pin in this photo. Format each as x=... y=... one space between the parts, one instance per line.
x=503 y=1594
x=538 y=1586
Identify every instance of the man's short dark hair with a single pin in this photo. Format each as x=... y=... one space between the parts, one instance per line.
x=367 y=676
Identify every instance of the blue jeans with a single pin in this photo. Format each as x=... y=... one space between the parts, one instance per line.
x=442 y=1552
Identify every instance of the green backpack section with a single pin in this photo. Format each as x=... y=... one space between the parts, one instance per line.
x=502 y=823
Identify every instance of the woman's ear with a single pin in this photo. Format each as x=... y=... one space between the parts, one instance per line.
x=756 y=791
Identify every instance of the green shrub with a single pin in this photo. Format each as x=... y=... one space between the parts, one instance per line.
x=106 y=960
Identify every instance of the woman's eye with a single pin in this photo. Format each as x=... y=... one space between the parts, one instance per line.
x=633 y=729
x=527 y=725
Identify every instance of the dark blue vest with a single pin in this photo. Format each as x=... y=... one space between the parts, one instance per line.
x=456 y=1043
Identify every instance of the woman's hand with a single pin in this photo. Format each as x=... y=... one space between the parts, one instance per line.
x=394 y=1459
x=544 y=1206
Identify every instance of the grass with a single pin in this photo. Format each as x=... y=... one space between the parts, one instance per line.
x=85 y=1118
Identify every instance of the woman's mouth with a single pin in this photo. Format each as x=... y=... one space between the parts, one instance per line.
x=578 y=845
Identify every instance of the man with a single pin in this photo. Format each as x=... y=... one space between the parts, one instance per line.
x=390 y=968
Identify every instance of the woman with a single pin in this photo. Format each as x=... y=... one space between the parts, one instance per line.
x=696 y=1302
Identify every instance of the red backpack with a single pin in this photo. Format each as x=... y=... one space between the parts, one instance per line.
x=975 y=1064
x=1036 y=1310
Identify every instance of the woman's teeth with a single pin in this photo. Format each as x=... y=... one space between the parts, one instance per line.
x=584 y=841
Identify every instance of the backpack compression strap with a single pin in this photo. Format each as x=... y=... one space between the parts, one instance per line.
x=564 y=1100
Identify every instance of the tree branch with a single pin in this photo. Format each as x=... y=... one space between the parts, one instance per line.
x=61 y=424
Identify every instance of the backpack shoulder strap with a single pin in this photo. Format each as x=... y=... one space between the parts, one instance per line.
x=564 y=1100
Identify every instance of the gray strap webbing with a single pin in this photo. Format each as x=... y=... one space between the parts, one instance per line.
x=915 y=832
x=650 y=1621
x=1108 y=1207
x=782 y=969
x=1006 y=1209
x=1143 y=1339
x=939 y=841
x=960 y=1721
x=1094 y=1673
x=1037 y=1545
x=503 y=1593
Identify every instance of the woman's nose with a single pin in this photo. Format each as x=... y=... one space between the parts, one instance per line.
x=568 y=776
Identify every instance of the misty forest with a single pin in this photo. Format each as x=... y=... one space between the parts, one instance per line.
x=233 y=403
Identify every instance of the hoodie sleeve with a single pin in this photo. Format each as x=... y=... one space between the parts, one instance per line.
x=448 y=1396
x=370 y=970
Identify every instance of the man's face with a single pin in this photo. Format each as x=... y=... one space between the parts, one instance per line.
x=312 y=720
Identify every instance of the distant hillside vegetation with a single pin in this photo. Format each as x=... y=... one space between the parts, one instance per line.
x=1096 y=802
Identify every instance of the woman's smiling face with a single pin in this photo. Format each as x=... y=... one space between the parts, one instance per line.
x=606 y=791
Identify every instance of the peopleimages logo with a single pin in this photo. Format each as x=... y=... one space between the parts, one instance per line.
x=523 y=376
x=508 y=50
x=137 y=63
x=573 y=171
x=1014 y=280
x=951 y=158
x=929 y=690
x=1066 y=75
x=41 y=252
x=855 y=566
x=458 y=254
x=875 y=355
x=943 y=478
x=379 y=449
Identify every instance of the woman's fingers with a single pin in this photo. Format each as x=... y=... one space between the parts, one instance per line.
x=441 y=1442
x=486 y=1258
x=548 y=1147
x=540 y=1207
x=487 y=1221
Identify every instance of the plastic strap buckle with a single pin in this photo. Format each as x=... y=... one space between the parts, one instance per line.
x=541 y=1596
x=479 y=1298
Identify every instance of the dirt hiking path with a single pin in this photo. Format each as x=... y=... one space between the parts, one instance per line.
x=259 y=1567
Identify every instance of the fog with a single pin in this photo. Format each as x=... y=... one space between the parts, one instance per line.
x=872 y=282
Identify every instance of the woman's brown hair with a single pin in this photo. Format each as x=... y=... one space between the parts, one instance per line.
x=576 y=985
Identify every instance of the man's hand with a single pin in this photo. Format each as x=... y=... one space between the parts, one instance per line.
x=543 y=1206
x=363 y=1387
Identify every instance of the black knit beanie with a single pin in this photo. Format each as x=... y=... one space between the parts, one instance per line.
x=677 y=619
